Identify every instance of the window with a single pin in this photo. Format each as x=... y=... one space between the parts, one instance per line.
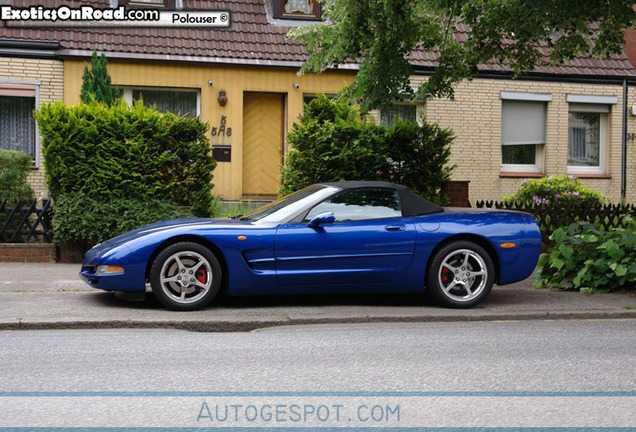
x=185 y=102
x=169 y=4
x=308 y=97
x=360 y=204
x=297 y=9
x=586 y=138
x=17 y=126
x=522 y=135
x=389 y=116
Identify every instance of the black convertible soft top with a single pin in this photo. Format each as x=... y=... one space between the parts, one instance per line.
x=411 y=203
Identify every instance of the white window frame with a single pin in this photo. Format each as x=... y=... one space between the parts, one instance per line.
x=127 y=92
x=36 y=85
x=419 y=112
x=537 y=167
x=602 y=151
x=601 y=105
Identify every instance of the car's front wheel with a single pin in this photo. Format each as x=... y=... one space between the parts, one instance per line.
x=460 y=274
x=185 y=276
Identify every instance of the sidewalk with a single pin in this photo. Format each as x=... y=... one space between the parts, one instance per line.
x=47 y=296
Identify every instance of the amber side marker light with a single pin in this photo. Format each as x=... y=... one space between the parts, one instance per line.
x=242 y=238
x=508 y=245
x=109 y=269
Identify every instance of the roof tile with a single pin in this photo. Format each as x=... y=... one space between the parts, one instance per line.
x=250 y=36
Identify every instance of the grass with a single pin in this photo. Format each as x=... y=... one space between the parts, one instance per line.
x=629 y=307
x=226 y=209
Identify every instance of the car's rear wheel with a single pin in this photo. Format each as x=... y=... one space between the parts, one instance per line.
x=185 y=276
x=460 y=275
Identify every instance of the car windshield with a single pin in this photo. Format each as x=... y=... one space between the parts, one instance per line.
x=281 y=209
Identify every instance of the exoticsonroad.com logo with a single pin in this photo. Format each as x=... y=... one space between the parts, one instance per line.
x=41 y=16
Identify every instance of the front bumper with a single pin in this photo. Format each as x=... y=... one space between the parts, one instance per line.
x=132 y=279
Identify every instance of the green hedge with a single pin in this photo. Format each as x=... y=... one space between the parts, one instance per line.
x=80 y=218
x=14 y=170
x=124 y=152
x=331 y=143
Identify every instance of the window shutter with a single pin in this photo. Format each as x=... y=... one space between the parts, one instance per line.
x=589 y=107
x=523 y=122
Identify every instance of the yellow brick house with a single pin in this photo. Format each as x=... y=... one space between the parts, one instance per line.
x=243 y=81
x=30 y=74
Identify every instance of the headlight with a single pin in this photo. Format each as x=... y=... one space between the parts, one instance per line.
x=109 y=269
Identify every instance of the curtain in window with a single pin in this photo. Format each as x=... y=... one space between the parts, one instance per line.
x=176 y=102
x=584 y=139
x=17 y=127
x=389 y=116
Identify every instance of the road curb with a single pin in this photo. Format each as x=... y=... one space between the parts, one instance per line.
x=248 y=325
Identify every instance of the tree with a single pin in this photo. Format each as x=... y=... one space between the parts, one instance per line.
x=462 y=34
x=331 y=143
x=96 y=82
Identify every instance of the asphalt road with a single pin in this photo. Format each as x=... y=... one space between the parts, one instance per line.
x=537 y=356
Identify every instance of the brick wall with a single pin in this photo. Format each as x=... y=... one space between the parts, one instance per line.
x=475 y=118
x=50 y=77
x=27 y=252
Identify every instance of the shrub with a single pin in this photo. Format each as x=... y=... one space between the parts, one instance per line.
x=80 y=218
x=418 y=158
x=586 y=258
x=331 y=143
x=123 y=152
x=567 y=190
x=14 y=169
x=96 y=82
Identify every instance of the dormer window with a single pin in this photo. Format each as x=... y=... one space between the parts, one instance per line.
x=163 y=4
x=297 y=9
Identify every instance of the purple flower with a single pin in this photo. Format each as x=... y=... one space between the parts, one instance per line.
x=557 y=196
x=571 y=177
x=550 y=178
x=525 y=182
x=575 y=194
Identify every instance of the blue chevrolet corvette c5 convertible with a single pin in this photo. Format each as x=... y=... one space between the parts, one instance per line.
x=329 y=238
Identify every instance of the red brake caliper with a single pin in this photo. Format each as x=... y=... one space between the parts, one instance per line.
x=202 y=276
x=445 y=273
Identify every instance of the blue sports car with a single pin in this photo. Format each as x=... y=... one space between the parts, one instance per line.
x=329 y=238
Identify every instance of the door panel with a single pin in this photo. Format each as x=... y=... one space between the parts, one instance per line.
x=263 y=115
x=359 y=252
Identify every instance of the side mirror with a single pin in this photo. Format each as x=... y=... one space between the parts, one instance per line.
x=322 y=218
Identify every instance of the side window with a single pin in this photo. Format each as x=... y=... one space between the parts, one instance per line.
x=360 y=204
x=17 y=126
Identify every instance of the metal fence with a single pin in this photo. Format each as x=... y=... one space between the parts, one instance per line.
x=554 y=215
x=24 y=223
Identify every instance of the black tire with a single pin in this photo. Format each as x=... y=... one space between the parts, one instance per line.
x=472 y=270
x=185 y=276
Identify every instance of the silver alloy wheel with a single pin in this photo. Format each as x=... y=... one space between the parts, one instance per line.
x=462 y=275
x=186 y=277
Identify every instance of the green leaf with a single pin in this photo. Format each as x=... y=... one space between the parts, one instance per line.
x=557 y=263
x=620 y=270
x=566 y=251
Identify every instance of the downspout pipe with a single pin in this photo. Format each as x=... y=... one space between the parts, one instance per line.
x=624 y=144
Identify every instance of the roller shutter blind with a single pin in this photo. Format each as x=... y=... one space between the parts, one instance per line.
x=523 y=122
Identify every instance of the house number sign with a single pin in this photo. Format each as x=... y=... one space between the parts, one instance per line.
x=221 y=140
x=222 y=129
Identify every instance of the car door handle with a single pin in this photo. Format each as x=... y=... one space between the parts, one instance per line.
x=395 y=227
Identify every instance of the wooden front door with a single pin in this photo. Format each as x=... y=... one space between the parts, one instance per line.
x=263 y=115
